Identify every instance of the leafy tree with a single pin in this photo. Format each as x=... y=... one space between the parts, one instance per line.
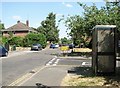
x=32 y=38
x=65 y=41
x=1 y=26
x=4 y=40
x=80 y=26
x=49 y=29
x=76 y=26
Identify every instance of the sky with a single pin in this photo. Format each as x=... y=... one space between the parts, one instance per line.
x=36 y=11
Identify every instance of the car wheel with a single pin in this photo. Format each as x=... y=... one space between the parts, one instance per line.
x=6 y=54
x=38 y=49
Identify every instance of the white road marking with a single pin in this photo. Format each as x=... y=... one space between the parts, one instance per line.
x=86 y=63
x=56 y=62
x=47 y=64
x=83 y=63
x=51 y=61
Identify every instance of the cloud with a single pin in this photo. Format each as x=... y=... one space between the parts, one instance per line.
x=16 y=17
x=66 y=4
x=58 y=14
x=69 y=5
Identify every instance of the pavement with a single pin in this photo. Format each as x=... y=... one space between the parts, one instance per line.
x=14 y=53
x=43 y=76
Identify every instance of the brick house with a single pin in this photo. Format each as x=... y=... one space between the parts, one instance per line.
x=20 y=29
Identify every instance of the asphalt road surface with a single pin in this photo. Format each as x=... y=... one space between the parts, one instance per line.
x=16 y=66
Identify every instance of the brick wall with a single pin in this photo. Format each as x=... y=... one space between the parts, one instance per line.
x=21 y=34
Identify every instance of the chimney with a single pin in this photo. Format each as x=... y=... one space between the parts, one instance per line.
x=27 y=23
x=18 y=21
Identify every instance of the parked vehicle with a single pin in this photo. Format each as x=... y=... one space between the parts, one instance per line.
x=3 y=51
x=36 y=47
x=71 y=46
x=52 y=46
x=56 y=45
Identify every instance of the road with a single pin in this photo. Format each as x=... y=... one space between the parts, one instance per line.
x=17 y=66
x=38 y=66
x=55 y=70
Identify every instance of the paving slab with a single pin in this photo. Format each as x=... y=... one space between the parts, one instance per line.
x=50 y=76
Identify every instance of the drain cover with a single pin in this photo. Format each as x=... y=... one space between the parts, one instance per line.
x=32 y=71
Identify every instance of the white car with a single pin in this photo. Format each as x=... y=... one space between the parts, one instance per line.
x=56 y=45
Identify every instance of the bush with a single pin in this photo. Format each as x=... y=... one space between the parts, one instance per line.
x=32 y=38
x=4 y=40
x=18 y=41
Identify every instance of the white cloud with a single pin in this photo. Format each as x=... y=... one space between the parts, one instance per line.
x=66 y=4
x=69 y=5
x=16 y=17
x=58 y=14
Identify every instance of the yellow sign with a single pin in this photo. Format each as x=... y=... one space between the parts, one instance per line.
x=64 y=48
x=82 y=50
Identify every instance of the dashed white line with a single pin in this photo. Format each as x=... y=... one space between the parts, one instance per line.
x=51 y=61
x=86 y=63
x=83 y=63
x=56 y=62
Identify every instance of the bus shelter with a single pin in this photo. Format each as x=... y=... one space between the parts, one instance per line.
x=103 y=49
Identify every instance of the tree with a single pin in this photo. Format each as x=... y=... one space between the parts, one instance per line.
x=80 y=26
x=76 y=26
x=1 y=26
x=49 y=29
x=106 y=15
x=65 y=41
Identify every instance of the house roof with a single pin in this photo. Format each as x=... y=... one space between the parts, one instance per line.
x=19 y=27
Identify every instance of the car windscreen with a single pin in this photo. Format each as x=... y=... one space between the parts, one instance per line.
x=1 y=47
x=35 y=44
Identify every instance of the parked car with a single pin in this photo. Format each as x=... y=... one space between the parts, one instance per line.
x=52 y=46
x=56 y=45
x=71 y=46
x=36 y=47
x=3 y=51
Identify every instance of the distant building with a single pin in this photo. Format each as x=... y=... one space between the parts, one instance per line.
x=20 y=29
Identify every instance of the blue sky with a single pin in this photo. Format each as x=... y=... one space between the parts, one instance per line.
x=36 y=12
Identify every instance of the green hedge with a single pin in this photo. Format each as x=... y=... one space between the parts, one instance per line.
x=27 y=41
x=32 y=38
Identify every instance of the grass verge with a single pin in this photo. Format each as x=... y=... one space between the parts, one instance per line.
x=85 y=77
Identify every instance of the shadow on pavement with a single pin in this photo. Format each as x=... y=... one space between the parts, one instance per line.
x=110 y=80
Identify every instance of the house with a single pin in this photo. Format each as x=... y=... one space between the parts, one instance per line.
x=20 y=29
